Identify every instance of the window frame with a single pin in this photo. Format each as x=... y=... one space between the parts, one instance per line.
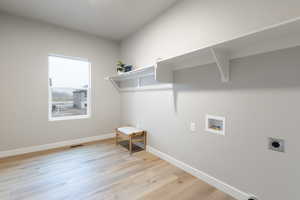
x=89 y=91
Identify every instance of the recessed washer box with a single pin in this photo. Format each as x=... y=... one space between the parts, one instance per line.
x=215 y=124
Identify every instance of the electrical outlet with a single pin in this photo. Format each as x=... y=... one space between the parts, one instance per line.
x=193 y=126
x=252 y=198
x=276 y=144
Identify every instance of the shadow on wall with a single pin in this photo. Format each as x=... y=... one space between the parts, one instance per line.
x=260 y=101
x=273 y=70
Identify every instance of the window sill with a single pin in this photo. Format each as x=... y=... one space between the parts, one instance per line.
x=69 y=118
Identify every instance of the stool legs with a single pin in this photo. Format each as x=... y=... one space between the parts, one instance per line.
x=117 y=138
x=138 y=137
x=130 y=145
x=145 y=140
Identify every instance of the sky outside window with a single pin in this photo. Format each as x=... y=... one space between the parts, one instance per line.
x=68 y=73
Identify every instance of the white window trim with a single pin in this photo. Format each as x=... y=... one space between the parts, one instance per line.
x=89 y=91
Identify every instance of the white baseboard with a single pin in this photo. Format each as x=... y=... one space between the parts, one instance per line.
x=31 y=149
x=232 y=191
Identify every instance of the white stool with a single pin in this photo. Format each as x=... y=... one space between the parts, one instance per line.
x=133 y=135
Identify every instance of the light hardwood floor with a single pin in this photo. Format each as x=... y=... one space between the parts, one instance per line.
x=98 y=171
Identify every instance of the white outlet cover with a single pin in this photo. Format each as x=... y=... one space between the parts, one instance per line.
x=193 y=126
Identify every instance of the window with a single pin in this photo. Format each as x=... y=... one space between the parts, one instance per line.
x=69 y=88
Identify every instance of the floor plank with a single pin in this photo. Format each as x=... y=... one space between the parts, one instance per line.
x=98 y=171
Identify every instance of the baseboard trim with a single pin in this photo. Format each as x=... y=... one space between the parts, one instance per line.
x=44 y=147
x=232 y=191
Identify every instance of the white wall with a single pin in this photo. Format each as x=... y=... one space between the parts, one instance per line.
x=260 y=101
x=24 y=49
x=194 y=23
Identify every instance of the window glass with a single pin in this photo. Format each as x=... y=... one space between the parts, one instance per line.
x=69 y=88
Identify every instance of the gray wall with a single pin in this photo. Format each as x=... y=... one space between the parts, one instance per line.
x=24 y=49
x=261 y=100
x=192 y=24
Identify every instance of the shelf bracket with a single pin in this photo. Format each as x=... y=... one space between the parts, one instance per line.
x=114 y=84
x=163 y=73
x=222 y=60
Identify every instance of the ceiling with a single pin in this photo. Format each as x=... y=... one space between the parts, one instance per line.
x=112 y=19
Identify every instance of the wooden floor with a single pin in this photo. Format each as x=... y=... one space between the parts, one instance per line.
x=98 y=171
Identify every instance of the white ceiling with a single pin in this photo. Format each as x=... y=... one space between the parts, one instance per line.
x=113 y=19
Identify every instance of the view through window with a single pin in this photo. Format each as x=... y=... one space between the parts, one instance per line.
x=69 y=88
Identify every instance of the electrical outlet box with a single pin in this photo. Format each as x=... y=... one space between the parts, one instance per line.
x=138 y=125
x=215 y=124
x=276 y=144
x=193 y=126
x=252 y=198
